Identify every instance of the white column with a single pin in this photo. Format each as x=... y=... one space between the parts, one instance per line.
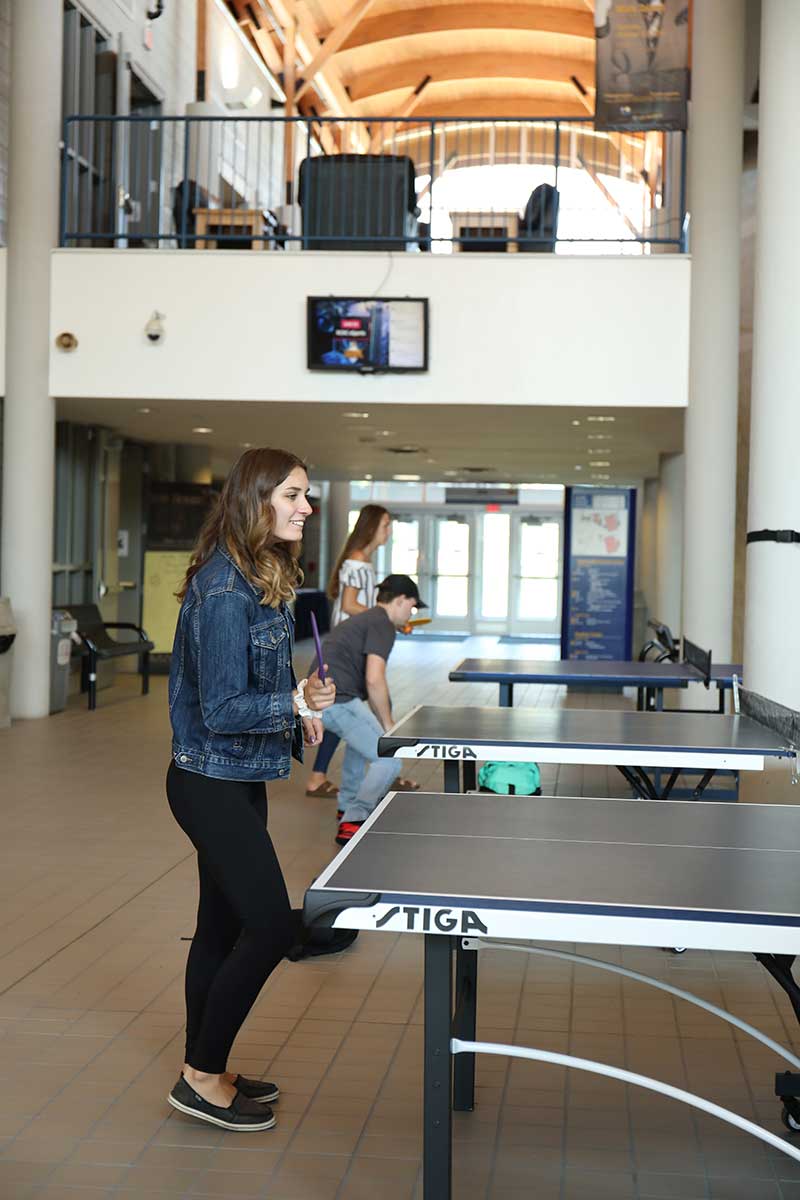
x=669 y=542
x=771 y=628
x=29 y=412
x=338 y=514
x=715 y=167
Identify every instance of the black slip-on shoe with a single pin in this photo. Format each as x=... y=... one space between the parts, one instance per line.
x=257 y=1089
x=243 y=1115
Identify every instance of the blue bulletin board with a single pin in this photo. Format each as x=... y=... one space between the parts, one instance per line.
x=599 y=548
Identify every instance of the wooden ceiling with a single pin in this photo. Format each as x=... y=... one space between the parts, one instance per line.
x=397 y=58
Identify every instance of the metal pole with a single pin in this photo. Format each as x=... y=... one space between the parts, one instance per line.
x=437 y=1152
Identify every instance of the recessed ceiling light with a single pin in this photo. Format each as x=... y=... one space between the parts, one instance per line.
x=144 y=410
x=356 y=416
x=597 y=462
x=245 y=445
x=201 y=429
x=451 y=472
x=578 y=422
x=407 y=478
x=599 y=437
x=430 y=461
x=601 y=477
x=385 y=432
x=602 y=420
x=578 y=467
x=368 y=477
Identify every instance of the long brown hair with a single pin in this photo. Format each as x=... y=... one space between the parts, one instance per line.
x=242 y=521
x=364 y=531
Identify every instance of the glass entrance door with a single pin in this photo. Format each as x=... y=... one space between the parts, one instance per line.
x=535 y=575
x=435 y=551
x=450 y=601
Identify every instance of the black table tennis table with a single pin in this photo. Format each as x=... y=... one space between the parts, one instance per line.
x=470 y=875
x=649 y=678
x=640 y=745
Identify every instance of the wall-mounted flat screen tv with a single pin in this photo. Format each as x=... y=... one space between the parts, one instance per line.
x=350 y=333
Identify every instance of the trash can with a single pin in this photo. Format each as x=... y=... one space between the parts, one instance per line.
x=8 y=631
x=61 y=630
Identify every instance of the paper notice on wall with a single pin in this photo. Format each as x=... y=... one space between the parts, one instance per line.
x=164 y=571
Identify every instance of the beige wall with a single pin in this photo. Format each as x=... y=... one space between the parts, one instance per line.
x=503 y=329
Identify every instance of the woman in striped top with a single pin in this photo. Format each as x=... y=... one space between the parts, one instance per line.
x=351 y=588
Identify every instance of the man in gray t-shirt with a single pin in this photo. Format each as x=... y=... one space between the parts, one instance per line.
x=355 y=654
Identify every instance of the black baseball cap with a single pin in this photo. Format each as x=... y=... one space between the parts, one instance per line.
x=402 y=585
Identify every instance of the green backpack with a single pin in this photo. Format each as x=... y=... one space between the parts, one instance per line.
x=510 y=779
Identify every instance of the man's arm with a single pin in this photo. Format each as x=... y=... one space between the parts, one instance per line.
x=378 y=690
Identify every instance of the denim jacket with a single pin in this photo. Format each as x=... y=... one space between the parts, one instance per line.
x=231 y=679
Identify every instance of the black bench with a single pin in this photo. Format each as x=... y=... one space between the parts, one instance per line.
x=95 y=645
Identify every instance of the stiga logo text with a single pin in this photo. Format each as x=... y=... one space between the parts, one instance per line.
x=446 y=752
x=425 y=920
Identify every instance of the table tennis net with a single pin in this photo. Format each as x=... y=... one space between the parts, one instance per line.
x=783 y=721
x=697 y=658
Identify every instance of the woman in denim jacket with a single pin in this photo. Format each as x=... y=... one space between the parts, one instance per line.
x=236 y=720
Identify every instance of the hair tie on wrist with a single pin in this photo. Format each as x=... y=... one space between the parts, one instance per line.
x=302 y=708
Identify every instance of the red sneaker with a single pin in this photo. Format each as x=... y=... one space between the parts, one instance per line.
x=347 y=830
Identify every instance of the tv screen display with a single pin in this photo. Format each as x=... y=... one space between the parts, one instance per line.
x=348 y=333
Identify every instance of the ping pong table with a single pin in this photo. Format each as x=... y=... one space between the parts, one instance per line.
x=470 y=876
x=650 y=678
x=639 y=744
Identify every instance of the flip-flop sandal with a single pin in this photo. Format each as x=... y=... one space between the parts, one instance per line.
x=406 y=785
x=326 y=790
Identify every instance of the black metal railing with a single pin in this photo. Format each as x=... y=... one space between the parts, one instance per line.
x=399 y=184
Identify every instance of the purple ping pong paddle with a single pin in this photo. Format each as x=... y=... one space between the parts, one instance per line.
x=318 y=647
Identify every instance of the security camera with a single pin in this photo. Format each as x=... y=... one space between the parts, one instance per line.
x=154 y=329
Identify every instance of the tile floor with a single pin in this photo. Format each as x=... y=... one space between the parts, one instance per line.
x=98 y=893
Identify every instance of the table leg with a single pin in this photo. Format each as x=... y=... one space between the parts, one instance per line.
x=437 y=1151
x=464 y=1027
x=506 y=695
x=470 y=775
x=452 y=775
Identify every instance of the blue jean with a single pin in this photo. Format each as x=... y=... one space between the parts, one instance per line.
x=359 y=728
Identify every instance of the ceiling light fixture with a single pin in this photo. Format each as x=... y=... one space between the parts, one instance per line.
x=602 y=420
x=577 y=422
x=407 y=478
x=201 y=429
x=601 y=477
x=144 y=410
x=356 y=416
x=597 y=462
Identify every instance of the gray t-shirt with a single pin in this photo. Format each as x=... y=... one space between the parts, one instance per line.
x=346 y=647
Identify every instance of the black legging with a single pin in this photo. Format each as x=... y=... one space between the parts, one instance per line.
x=244 y=922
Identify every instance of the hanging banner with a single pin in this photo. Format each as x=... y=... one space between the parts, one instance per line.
x=642 y=64
x=599 y=546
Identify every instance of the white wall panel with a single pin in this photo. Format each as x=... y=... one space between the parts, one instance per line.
x=510 y=329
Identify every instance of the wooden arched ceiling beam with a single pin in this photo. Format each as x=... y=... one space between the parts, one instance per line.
x=475 y=65
x=505 y=108
x=485 y=14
